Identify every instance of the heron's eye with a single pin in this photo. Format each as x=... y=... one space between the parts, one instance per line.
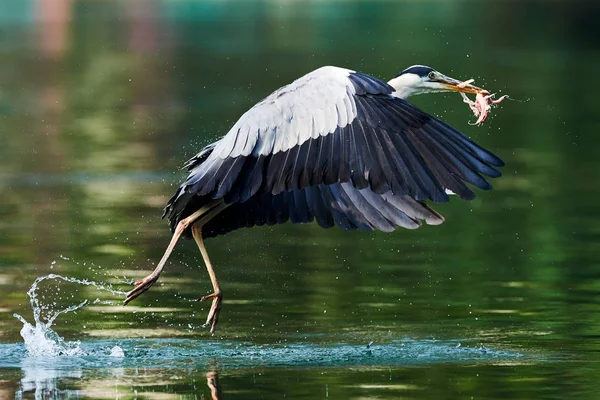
x=432 y=75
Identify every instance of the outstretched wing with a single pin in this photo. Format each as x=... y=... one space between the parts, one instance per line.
x=340 y=204
x=334 y=125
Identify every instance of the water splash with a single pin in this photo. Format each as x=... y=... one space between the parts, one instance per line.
x=117 y=352
x=40 y=339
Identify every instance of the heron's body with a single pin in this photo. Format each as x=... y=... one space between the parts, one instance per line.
x=336 y=146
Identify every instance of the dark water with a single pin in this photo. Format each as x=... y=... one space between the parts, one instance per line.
x=101 y=102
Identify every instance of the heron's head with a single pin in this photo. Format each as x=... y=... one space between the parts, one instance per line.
x=420 y=79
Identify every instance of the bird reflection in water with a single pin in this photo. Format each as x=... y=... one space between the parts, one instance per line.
x=212 y=380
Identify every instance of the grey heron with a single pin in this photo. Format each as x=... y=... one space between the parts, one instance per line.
x=336 y=146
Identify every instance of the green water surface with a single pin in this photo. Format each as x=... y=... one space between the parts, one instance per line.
x=101 y=102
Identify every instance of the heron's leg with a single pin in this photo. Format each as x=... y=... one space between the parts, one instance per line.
x=217 y=295
x=144 y=284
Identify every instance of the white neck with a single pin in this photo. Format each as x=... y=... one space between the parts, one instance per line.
x=406 y=85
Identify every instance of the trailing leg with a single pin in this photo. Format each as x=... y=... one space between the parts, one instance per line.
x=144 y=284
x=217 y=295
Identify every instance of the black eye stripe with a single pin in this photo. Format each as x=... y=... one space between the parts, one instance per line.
x=420 y=70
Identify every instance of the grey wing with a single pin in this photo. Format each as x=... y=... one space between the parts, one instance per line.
x=336 y=125
x=308 y=109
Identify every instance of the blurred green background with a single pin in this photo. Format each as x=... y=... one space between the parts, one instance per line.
x=101 y=102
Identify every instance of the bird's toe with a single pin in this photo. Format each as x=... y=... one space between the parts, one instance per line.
x=140 y=287
x=215 y=309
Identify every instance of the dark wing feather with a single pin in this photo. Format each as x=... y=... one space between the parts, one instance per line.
x=340 y=203
x=183 y=199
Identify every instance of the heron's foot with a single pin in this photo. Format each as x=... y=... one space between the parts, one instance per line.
x=215 y=309
x=141 y=286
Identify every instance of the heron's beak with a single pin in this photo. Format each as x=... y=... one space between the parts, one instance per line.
x=454 y=85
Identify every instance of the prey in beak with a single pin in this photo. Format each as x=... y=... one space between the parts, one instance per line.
x=455 y=85
x=420 y=79
x=483 y=99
